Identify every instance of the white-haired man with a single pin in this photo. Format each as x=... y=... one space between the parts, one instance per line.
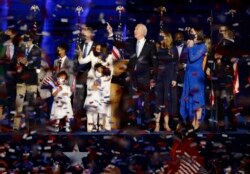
x=142 y=68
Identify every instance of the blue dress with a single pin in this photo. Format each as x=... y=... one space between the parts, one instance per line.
x=193 y=95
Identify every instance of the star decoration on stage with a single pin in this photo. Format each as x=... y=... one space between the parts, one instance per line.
x=76 y=156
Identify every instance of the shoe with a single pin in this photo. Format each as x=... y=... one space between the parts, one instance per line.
x=221 y=129
x=231 y=128
x=157 y=127
x=67 y=129
x=56 y=129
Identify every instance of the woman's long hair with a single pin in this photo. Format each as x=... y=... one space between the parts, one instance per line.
x=168 y=40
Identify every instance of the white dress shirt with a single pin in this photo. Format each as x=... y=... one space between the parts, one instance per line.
x=139 y=45
x=11 y=48
x=179 y=49
x=89 y=45
x=62 y=60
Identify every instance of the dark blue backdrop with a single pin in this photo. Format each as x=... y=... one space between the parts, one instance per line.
x=57 y=19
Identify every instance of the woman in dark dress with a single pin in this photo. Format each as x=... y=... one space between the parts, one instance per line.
x=192 y=102
x=166 y=94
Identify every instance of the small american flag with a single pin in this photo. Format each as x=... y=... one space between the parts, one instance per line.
x=116 y=53
x=49 y=81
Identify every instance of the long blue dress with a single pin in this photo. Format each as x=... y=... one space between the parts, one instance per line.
x=193 y=95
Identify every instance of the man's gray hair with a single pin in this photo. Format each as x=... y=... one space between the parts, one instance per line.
x=144 y=28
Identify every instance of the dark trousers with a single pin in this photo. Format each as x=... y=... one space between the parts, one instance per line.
x=225 y=104
x=140 y=101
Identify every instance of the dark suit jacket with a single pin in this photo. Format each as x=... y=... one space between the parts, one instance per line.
x=28 y=74
x=182 y=59
x=143 y=67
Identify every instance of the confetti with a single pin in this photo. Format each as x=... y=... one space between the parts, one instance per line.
x=64 y=20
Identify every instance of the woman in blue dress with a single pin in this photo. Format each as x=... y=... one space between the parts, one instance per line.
x=192 y=102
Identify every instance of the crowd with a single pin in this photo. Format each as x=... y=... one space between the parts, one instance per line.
x=32 y=152
x=148 y=84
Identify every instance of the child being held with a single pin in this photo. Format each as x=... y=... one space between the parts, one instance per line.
x=97 y=102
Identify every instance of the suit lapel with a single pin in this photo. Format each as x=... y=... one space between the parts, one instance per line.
x=176 y=54
x=65 y=63
x=182 y=51
x=90 y=48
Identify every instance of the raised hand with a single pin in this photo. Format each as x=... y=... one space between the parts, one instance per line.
x=109 y=29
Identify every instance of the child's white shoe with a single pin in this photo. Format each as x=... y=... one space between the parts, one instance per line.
x=67 y=129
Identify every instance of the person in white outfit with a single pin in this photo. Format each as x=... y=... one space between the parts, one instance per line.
x=92 y=104
x=61 y=107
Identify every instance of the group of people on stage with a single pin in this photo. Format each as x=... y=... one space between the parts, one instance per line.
x=154 y=81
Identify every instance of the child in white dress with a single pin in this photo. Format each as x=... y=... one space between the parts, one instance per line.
x=61 y=106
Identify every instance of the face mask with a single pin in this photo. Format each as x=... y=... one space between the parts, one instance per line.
x=60 y=80
x=98 y=74
x=191 y=36
x=178 y=42
x=96 y=54
x=160 y=38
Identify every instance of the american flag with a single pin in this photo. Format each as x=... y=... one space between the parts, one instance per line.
x=188 y=165
x=116 y=53
x=49 y=81
x=186 y=158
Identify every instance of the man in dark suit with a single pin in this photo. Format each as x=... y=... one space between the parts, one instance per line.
x=224 y=54
x=142 y=69
x=10 y=60
x=28 y=65
x=81 y=70
x=180 y=54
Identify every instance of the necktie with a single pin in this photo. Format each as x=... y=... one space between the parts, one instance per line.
x=85 y=50
x=7 y=52
x=137 y=48
x=59 y=64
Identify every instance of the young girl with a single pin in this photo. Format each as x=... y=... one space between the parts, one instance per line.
x=61 y=106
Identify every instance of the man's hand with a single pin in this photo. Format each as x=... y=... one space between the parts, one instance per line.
x=208 y=71
x=217 y=56
x=152 y=84
x=174 y=83
x=109 y=30
x=22 y=60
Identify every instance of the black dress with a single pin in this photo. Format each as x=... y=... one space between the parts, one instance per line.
x=166 y=95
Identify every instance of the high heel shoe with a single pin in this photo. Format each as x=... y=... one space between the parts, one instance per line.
x=157 y=122
x=166 y=121
x=166 y=126
x=157 y=127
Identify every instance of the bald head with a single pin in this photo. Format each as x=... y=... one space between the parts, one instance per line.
x=140 y=31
